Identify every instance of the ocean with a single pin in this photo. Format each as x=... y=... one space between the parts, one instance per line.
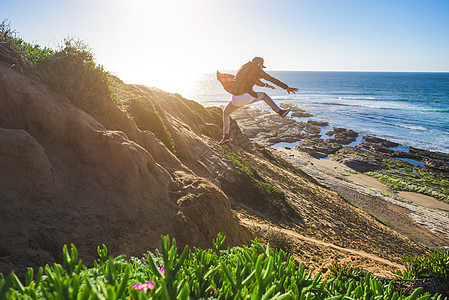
x=409 y=108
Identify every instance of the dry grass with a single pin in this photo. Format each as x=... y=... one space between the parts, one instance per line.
x=275 y=237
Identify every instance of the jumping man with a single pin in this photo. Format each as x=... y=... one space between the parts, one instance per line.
x=241 y=87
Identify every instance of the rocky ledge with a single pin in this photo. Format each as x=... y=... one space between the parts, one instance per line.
x=268 y=130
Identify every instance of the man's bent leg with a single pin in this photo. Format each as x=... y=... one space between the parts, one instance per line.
x=227 y=122
x=264 y=96
x=227 y=117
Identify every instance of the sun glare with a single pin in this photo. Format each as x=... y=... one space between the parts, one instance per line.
x=181 y=82
x=163 y=46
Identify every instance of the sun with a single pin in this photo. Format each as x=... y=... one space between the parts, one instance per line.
x=163 y=44
x=173 y=73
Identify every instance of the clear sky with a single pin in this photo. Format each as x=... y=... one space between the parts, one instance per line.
x=155 y=42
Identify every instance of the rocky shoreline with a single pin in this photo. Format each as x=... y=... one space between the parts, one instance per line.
x=268 y=130
x=338 y=158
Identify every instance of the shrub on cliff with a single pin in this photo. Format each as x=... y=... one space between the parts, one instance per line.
x=435 y=266
x=70 y=70
x=18 y=53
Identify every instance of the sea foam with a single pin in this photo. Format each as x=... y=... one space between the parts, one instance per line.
x=411 y=127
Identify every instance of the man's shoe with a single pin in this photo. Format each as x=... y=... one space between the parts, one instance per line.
x=225 y=140
x=284 y=112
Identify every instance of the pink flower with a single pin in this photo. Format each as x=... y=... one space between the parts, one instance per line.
x=212 y=291
x=162 y=270
x=148 y=285
x=138 y=286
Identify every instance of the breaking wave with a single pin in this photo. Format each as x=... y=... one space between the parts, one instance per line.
x=412 y=127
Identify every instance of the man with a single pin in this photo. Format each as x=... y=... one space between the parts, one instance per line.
x=241 y=87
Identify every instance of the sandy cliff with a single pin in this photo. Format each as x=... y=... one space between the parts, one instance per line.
x=67 y=177
x=125 y=175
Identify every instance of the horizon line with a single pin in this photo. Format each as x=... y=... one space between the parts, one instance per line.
x=372 y=71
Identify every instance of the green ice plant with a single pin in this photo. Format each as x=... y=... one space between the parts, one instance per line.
x=261 y=273
x=247 y=272
x=170 y=286
x=217 y=244
x=202 y=269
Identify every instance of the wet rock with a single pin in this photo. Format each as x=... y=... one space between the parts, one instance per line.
x=313 y=136
x=373 y=139
x=312 y=129
x=389 y=144
x=360 y=165
x=351 y=133
x=430 y=154
x=378 y=140
x=376 y=148
x=402 y=154
x=312 y=147
x=296 y=110
x=437 y=165
x=341 y=139
x=339 y=129
x=318 y=123
x=318 y=148
x=331 y=148
x=268 y=139
x=435 y=160
x=358 y=162
x=269 y=129
x=343 y=136
x=300 y=114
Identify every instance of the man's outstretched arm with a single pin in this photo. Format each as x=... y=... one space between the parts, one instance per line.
x=274 y=80
x=278 y=83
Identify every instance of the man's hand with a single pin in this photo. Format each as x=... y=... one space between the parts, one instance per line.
x=292 y=90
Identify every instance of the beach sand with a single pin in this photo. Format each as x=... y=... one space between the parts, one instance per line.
x=369 y=181
x=419 y=217
x=424 y=200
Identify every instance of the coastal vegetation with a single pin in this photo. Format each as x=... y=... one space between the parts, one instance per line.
x=245 y=169
x=256 y=186
x=415 y=179
x=434 y=266
x=70 y=69
x=147 y=117
x=402 y=176
x=248 y=272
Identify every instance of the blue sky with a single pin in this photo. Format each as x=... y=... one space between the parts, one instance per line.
x=144 y=41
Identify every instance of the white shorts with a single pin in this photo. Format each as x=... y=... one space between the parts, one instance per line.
x=245 y=99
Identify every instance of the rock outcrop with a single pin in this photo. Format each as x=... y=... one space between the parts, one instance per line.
x=69 y=177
